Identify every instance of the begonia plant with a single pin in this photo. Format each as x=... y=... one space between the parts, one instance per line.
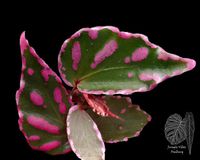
x=100 y=64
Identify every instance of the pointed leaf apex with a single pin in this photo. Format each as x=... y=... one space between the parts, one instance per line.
x=23 y=42
x=190 y=64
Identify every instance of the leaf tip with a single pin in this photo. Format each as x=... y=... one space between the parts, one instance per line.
x=190 y=63
x=23 y=42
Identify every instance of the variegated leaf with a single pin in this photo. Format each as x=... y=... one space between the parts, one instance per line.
x=42 y=103
x=103 y=60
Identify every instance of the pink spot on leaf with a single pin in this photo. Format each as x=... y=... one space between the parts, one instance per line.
x=145 y=77
x=151 y=76
x=58 y=99
x=62 y=108
x=34 y=138
x=93 y=33
x=45 y=73
x=130 y=75
x=127 y=60
x=30 y=71
x=57 y=95
x=107 y=51
x=36 y=98
x=42 y=124
x=76 y=55
x=50 y=145
x=123 y=111
x=139 y=54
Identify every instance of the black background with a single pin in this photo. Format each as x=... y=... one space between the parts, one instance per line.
x=176 y=28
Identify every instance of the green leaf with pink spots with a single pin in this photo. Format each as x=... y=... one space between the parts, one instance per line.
x=115 y=130
x=42 y=103
x=103 y=60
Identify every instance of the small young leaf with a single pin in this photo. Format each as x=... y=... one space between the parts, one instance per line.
x=115 y=130
x=42 y=104
x=103 y=60
x=84 y=136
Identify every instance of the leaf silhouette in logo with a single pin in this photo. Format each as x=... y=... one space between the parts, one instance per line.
x=175 y=129
x=189 y=128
